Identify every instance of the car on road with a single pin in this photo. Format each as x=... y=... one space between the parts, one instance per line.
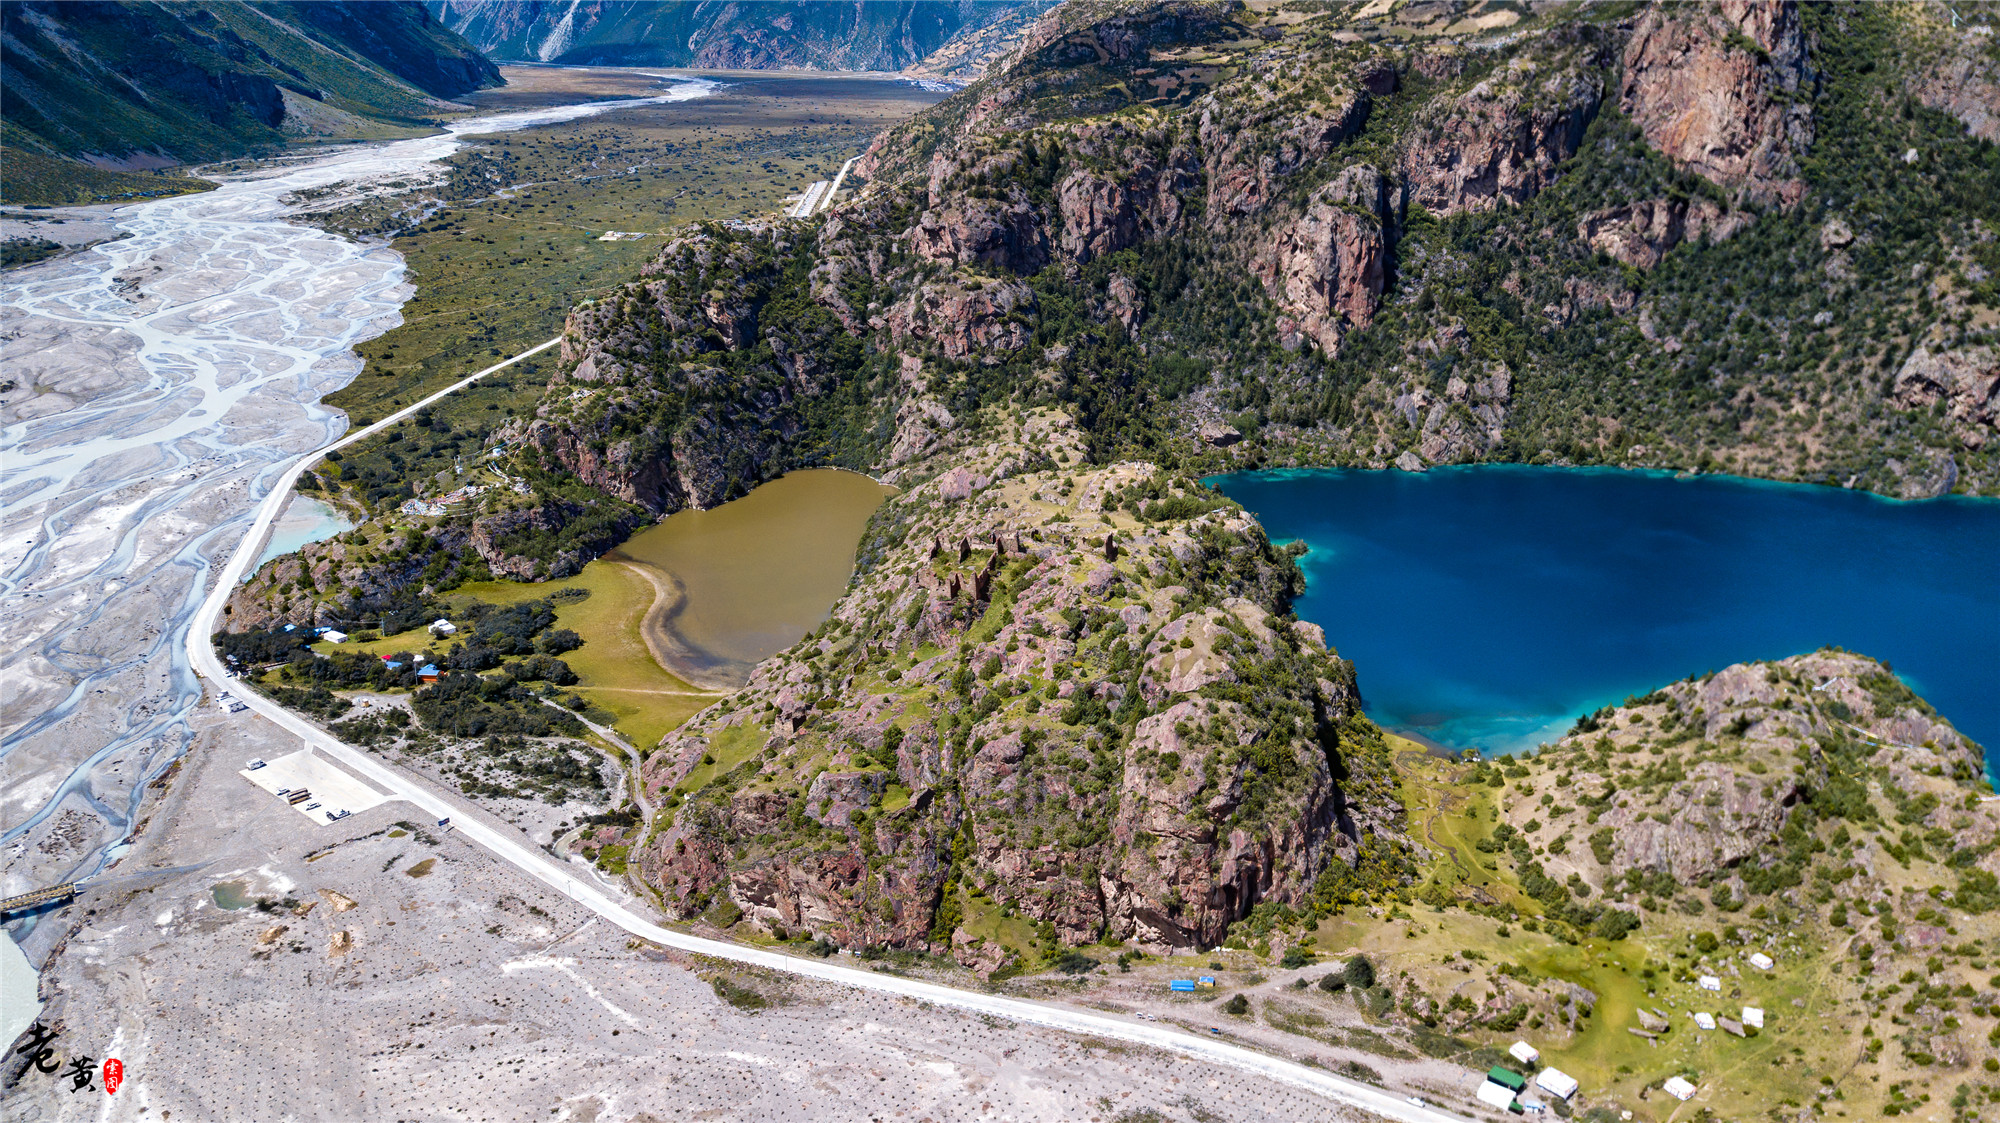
x=254 y=764
x=312 y=807
x=336 y=816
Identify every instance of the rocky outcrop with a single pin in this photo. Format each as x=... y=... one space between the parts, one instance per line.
x=1640 y=234
x=1966 y=381
x=1757 y=733
x=997 y=234
x=1713 y=87
x=1503 y=140
x=964 y=318
x=966 y=756
x=1963 y=79
x=1326 y=269
x=1250 y=152
x=1101 y=214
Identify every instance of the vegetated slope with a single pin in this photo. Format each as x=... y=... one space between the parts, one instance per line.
x=709 y=33
x=1756 y=238
x=139 y=85
x=1812 y=810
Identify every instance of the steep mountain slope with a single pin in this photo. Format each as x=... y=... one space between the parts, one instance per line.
x=138 y=85
x=1450 y=240
x=716 y=33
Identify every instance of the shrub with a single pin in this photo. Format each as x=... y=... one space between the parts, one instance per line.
x=1295 y=957
x=1237 y=1006
x=1359 y=973
x=1074 y=962
x=1332 y=983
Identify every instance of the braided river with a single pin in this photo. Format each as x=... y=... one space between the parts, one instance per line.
x=151 y=391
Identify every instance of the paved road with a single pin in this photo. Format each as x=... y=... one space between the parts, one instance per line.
x=516 y=850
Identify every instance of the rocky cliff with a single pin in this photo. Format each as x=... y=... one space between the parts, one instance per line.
x=1037 y=703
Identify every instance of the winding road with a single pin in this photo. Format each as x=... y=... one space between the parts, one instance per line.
x=516 y=850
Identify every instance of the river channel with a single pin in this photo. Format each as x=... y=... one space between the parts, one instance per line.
x=151 y=389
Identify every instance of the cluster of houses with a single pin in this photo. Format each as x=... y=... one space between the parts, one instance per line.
x=1503 y=1086
x=440 y=628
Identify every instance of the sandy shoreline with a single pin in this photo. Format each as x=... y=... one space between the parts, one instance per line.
x=670 y=651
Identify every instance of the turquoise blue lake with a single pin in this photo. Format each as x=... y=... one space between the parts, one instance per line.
x=1487 y=606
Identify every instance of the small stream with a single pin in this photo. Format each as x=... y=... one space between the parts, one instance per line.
x=160 y=383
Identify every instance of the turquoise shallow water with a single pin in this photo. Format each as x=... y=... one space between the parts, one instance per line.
x=304 y=520
x=1485 y=607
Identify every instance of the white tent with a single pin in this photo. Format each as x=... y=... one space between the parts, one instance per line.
x=1753 y=1016
x=1496 y=1095
x=1709 y=982
x=1678 y=1088
x=1761 y=961
x=1704 y=1020
x=1556 y=1083
x=1525 y=1053
x=332 y=636
x=443 y=627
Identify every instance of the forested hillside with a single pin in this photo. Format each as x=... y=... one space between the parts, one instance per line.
x=145 y=85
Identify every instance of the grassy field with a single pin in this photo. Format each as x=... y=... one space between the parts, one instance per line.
x=615 y=670
x=512 y=238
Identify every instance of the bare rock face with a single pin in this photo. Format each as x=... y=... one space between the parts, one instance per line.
x=964 y=319
x=1963 y=81
x=1503 y=140
x=1967 y=381
x=1640 y=234
x=994 y=233
x=1249 y=154
x=1326 y=270
x=1101 y=214
x=1711 y=85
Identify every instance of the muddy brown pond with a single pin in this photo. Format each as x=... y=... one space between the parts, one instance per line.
x=748 y=579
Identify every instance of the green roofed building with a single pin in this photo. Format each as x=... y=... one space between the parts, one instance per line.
x=1507 y=1078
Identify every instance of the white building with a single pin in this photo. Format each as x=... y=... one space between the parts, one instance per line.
x=332 y=636
x=1761 y=961
x=1678 y=1088
x=443 y=627
x=1525 y=1053
x=1753 y=1016
x=1556 y=1083
x=1495 y=1095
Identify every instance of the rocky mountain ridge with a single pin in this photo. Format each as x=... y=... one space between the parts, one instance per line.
x=1358 y=177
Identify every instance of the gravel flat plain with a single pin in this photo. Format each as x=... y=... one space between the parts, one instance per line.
x=395 y=973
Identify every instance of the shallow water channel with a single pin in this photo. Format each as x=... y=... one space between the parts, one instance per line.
x=748 y=579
